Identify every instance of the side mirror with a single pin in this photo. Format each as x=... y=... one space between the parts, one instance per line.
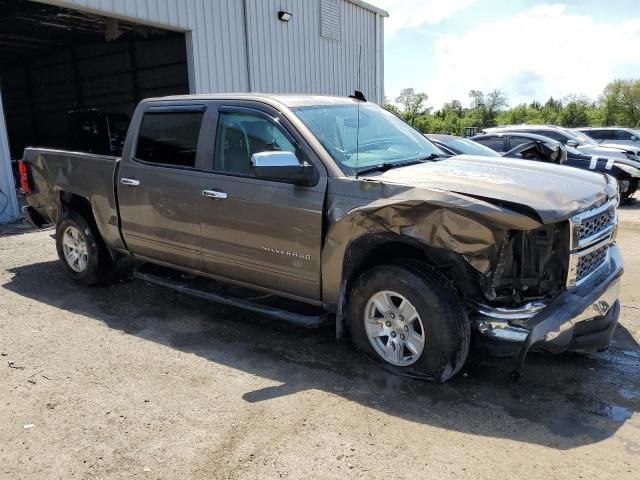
x=282 y=167
x=572 y=143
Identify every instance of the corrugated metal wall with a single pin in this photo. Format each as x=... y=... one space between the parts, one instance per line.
x=8 y=200
x=283 y=57
x=294 y=57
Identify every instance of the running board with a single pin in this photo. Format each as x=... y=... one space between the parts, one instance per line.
x=169 y=278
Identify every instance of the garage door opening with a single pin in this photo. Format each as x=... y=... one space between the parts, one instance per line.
x=71 y=79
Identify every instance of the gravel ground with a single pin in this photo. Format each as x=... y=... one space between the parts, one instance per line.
x=133 y=381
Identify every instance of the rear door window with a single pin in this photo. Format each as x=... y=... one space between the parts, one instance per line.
x=169 y=138
x=552 y=134
x=494 y=143
x=597 y=134
x=516 y=141
x=623 y=135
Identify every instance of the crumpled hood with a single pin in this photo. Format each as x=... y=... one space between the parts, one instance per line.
x=555 y=192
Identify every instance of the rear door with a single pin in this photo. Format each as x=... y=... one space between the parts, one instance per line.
x=256 y=231
x=158 y=184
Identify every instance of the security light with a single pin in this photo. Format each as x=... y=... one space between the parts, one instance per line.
x=284 y=16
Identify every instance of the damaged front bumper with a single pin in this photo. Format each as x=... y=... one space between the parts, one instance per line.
x=581 y=318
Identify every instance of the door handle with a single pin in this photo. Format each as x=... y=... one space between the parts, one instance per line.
x=214 y=194
x=130 y=181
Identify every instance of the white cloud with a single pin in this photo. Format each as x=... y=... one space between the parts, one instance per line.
x=543 y=51
x=414 y=13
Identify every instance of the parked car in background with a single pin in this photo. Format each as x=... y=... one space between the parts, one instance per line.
x=96 y=131
x=626 y=171
x=453 y=145
x=471 y=131
x=91 y=130
x=572 y=138
x=613 y=135
x=525 y=146
x=341 y=206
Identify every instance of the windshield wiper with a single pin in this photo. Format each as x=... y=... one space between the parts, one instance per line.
x=431 y=156
x=384 y=166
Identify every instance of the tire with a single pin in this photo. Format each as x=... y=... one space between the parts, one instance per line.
x=627 y=197
x=446 y=331
x=96 y=266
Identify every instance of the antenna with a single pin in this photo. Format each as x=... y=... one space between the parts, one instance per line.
x=359 y=97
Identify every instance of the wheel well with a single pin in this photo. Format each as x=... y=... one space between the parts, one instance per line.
x=385 y=253
x=373 y=250
x=76 y=203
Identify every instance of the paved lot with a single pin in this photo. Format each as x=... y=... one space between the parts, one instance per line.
x=132 y=381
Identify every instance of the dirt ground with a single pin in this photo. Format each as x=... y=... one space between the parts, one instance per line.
x=133 y=381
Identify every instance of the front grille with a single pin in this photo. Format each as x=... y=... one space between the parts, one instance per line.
x=591 y=226
x=592 y=234
x=590 y=262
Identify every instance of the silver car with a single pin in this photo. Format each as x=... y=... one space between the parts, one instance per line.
x=613 y=135
x=574 y=138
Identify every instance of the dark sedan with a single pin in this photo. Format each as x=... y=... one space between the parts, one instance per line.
x=531 y=148
x=452 y=145
x=624 y=170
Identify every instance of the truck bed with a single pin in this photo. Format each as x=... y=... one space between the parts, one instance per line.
x=58 y=175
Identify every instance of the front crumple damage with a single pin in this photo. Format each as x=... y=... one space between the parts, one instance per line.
x=594 y=306
x=474 y=229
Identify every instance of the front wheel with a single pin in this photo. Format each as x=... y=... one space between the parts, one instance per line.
x=410 y=319
x=630 y=187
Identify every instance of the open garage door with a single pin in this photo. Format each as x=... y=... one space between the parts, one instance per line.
x=71 y=79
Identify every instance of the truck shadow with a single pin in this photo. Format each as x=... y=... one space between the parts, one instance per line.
x=560 y=402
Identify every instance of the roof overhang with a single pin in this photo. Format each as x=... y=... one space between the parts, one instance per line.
x=368 y=6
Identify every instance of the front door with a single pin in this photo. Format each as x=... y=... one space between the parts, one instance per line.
x=256 y=231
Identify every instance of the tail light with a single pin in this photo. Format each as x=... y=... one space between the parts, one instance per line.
x=24 y=177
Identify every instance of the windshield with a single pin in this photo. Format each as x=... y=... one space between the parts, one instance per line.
x=383 y=138
x=469 y=147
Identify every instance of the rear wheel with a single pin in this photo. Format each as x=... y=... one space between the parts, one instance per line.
x=82 y=251
x=408 y=318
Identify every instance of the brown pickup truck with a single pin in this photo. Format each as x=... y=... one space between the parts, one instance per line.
x=338 y=204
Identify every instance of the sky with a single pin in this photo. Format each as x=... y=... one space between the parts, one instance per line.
x=531 y=50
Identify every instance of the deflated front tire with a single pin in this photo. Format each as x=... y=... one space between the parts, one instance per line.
x=409 y=319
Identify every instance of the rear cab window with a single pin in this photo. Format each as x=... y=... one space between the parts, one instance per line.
x=169 y=137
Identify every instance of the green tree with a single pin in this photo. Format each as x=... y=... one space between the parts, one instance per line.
x=575 y=112
x=486 y=108
x=454 y=106
x=413 y=104
x=392 y=108
x=620 y=102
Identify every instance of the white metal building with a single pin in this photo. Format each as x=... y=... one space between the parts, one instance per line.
x=57 y=56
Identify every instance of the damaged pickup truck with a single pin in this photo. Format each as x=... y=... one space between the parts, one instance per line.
x=336 y=203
